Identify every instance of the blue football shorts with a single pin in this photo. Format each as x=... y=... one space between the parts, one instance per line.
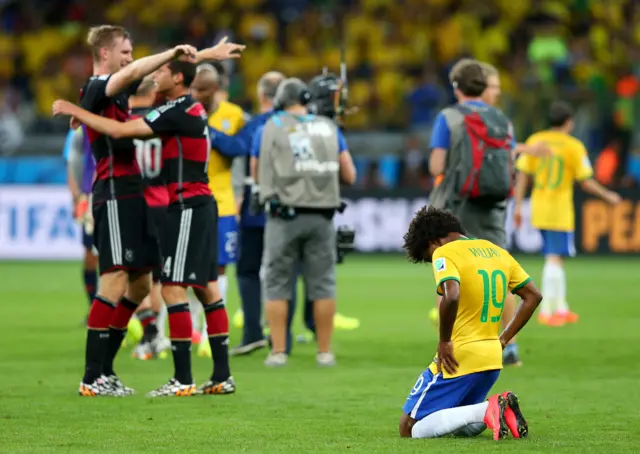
x=433 y=393
x=558 y=243
x=227 y=240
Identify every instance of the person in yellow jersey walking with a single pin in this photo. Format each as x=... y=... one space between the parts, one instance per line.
x=229 y=118
x=473 y=277
x=552 y=210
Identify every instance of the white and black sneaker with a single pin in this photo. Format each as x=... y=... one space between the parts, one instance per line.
x=174 y=388
x=245 y=349
x=227 y=386
x=118 y=386
x=100 y=387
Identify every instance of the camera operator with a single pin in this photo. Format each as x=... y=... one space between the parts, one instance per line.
x=298 y=165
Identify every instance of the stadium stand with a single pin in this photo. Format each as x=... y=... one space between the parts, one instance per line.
x=399 y=54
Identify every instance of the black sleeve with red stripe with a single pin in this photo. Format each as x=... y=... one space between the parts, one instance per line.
x=165 y=120
x=173 y=119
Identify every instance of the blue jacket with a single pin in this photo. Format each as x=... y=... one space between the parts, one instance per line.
x=240 y=145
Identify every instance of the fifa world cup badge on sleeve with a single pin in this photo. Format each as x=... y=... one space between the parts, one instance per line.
x=440 y=265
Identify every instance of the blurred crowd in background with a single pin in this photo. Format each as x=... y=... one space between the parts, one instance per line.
x=398 y=51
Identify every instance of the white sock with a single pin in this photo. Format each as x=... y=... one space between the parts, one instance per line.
x=222 y=286
x=562 y=305
x=550 y=288
x=448 y=421
x=472 y=430
x=161 y=321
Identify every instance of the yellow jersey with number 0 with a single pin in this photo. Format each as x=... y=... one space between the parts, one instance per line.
x=228 y=118
x=554 y=177
x=486 y=273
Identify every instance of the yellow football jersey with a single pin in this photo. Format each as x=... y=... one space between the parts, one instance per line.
x=554 y=177
x=485 y=273
x=228 y=118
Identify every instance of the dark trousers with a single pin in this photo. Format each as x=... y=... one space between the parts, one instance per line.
x=250 y=246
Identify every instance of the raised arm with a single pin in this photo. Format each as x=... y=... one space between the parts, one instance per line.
x=112 y=128
x=221 y=51
x=142 y=67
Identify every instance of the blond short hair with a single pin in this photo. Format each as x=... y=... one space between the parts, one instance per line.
x=104 y=36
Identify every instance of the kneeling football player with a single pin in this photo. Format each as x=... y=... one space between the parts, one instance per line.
x=473 y=277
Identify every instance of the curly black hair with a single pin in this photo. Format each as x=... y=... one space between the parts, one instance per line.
x=429 y=225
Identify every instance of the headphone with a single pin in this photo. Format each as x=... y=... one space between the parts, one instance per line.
x=304 y=97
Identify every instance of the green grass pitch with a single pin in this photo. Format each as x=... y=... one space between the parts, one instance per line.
x=579 y=386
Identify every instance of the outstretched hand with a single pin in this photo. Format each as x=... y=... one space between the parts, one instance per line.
x=222 y=51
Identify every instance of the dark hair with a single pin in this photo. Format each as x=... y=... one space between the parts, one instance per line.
x=559 y=113
x=187 y=69
x=429 y=225
x=468 y=76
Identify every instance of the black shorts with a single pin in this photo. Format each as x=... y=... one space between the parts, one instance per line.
x=190 y=246
x=158 y=216
x=124 y=236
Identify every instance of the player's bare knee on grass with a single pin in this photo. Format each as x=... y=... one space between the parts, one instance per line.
x=174 y=294
x=113 y=285
x=406 y=424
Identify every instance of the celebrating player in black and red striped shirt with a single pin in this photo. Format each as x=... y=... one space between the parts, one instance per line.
x=127 y=249
x=149 y=156
x=189 y=238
